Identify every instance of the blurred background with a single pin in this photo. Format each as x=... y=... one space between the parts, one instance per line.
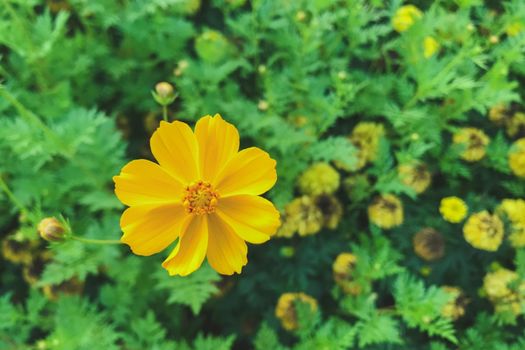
x=398 y=130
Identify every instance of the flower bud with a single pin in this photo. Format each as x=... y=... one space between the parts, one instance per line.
x=164 y=93
x=51 y=230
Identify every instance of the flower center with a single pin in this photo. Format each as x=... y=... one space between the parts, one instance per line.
x=200 y=198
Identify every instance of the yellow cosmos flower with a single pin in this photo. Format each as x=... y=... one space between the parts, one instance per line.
x=286 y=310
x=415 y=176
x=517 y=157
x=386 y=211
x=475 y=142
x=320 y=178
x=430 y=46
x=203 y=191
x=429 y=244
x=484 y=231
x=453 y=209
x=405 y=17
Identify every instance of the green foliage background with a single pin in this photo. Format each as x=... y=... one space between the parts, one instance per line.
x=75 y=105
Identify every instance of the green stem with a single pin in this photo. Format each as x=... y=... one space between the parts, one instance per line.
x=12 y=197
x=95 y=241
x=165 y=112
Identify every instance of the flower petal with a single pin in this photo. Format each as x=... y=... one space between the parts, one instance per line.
x=189 y=253
x=251 y=171
x=253 y=218
x=218 y=142
x=144 y=182
x=175 y=148
x=148 y=229
x=226 y=250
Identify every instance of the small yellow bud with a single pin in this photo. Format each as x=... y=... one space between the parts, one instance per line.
x=263 y=105
x=51 y=230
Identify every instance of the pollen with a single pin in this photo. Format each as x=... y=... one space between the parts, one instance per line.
x=200 y=198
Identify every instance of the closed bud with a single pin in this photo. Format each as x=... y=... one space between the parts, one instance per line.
x=51 y=230
x=164 y=93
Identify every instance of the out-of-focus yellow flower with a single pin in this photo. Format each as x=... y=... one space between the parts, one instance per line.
x=18 y=249
x=514 y=28
x=429 y=244
x=386 y=211
x=33 y=270
x=475 y=141
x=430 y=46
x=453 y=209
x=343 y=269
x=365 y=137
x=331 y=208
x=455 y=308
x=72 y=286
x=286 y=309
x=203 y=192
x=516 y=125
x=517 y=157
x=503 y=291
x=303 y=216
x=405 y=17
x=415 y=176
x=514 y=209
x=320 y=178
x=498 y=114
x=484 y=231
x=517 y=235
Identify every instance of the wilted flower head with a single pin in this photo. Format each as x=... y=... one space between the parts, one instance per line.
x=455 y=308
x=415 y=176
x=365 y=137
x=429 y=244
x=517 y=157
x=331 y=208
x=286 y=309
x=453 y=209
x=484 y=231
x=202 y=192
x=386 y=211
x=475 y=142
x=405 y=17
x=343 y=269
x=17 y=249
x=302 y=216
x=320 y=178
x=516 y=125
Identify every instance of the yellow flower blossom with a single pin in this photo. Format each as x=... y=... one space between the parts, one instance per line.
x=514 y=28
x=475 y=142
x=429 y=244
x=405 y=17
x=484 y=231
x=514 y=209
x=386 y=211
x=517 y=235
x=415 y=176
x=320 y=178
x=516 y=125
x=331 y=208
x=302 y=216
x=453 y=209
x=286 y=309
x=203 y=192
x=502 y=290
x=343 y=270
x=517 y=157
x=430 y=46
x=498 y=114
x=455 y=308
x=365 y=137
x=18 y=249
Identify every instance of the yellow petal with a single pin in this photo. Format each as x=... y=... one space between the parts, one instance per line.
x=253 y=218
x=148 y=229
x=144 y=182
x=251 y=171
x=189 y=253
x=226 y=251
x=218 y=142
x=175 y=148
